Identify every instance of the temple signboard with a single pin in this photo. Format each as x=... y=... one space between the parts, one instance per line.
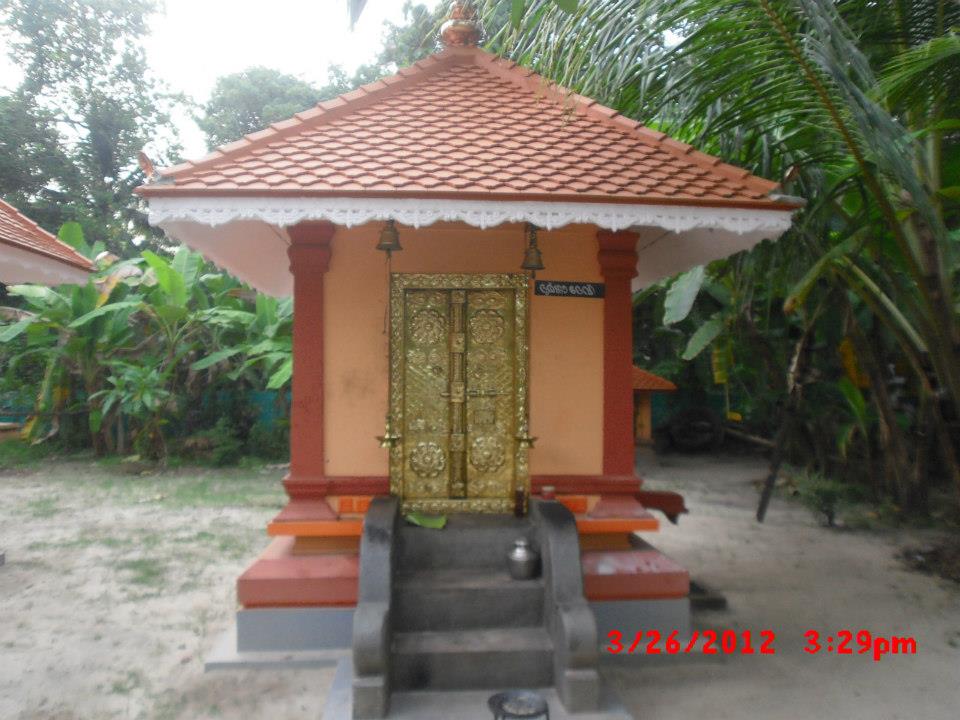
x=560 y=288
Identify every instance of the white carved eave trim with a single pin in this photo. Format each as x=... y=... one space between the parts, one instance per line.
x=347 y=212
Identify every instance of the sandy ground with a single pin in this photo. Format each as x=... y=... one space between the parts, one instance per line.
x=115 y=587
x=790 y=575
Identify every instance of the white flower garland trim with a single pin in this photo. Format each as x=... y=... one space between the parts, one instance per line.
x=414 y=212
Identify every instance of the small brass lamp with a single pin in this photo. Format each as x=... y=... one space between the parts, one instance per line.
x=390 y=438
x=389 y=239
x=532 y=258
x=523 y=438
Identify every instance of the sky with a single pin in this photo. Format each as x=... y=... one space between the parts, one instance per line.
x=196 y=41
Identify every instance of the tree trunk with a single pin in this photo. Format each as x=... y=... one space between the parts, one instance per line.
x=896 y=457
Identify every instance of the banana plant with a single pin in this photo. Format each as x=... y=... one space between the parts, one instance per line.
x=140 y=392
x=69 y=331
x=129 y=347
x=265 y=349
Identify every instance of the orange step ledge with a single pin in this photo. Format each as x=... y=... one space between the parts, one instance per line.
x=316 y=528
x=609 y=526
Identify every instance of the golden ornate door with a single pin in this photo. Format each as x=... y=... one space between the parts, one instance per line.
x=458 y=391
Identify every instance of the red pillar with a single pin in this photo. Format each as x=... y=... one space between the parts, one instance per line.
x=618 y=265
x=309 y=254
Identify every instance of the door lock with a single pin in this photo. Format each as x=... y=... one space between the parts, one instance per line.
x=484 y=393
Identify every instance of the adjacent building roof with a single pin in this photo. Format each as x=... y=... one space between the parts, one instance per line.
x=28 y=253
x=466 y=124
x=644 y=380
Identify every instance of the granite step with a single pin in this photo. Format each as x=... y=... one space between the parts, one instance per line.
x=473 y=541
x=465 y=599
x=472 y=659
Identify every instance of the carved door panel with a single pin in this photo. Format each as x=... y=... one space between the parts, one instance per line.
x=490 y=393
x=426 y=437
x=458 y=391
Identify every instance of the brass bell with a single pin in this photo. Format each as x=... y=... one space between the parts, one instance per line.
x=389 y=238
x=532 y=259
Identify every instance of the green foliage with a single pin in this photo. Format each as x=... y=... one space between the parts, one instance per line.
x=519 y=7
x=681 y=294
x=127 y=353
x=248 y=101
x=16 y=454
x=139 y=392
x=433 y=522
x=704 y=335
x=140 y=571
x=86 y=107
x=29 y=154
x=269 y=441
x=219 y=445
x=147 y=351
x=851 y=105
x=825 y=497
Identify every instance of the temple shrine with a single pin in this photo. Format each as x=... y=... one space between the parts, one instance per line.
x=434 y=377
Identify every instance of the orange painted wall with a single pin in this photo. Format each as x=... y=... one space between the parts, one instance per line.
x=566 y=340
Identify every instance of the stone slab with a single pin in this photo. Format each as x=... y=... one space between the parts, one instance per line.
x=463 y=705
x=631 y=616
x=294 y=629
x=225 y=656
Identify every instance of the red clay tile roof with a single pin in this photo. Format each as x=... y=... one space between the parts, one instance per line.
x=643 y=380
x=21 y=232
x=466 y=124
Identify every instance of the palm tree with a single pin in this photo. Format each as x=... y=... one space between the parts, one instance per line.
x=851 y=104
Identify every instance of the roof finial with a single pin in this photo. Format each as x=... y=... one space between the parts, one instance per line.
x=460 y=29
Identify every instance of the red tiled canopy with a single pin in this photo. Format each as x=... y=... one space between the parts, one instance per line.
x=644 y=380
x=463 y=136
x=32 y=254
x=464 y=124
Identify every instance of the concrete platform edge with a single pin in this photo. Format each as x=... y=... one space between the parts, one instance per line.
x=225 y=656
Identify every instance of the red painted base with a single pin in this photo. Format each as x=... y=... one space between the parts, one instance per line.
x=300 y=488
x=670 y=504
x=638 y=574
x=278 y=578
x=299 y=570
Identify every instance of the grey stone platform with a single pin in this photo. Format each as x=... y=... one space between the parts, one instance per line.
x=629 y=616
x=284 y=637
x=319 y=637
x=460 y=704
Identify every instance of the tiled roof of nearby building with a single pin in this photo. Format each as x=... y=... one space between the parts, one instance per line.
x=465 y=124
x=643 y=380
x=19 y=231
